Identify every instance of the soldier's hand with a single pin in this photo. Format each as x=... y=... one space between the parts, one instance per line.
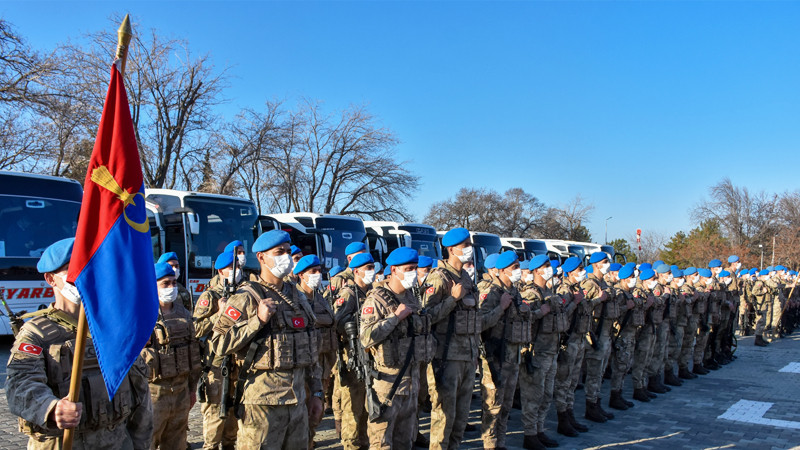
x=457 y=290
x=266 y=308
x=545 y=309
x=402 y=311
x=505 y=300
x=630 y=304
x=578 y=296
x=67 y=414
x=315 y=410
x=221 y=303
x=650 y=300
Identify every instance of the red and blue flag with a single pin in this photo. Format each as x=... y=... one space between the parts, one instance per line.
x=112 y=259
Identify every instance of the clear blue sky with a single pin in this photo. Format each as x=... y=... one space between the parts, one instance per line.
x=636 y=106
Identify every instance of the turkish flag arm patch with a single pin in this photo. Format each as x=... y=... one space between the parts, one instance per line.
x=233 y=313
x=298 y=322
x=368 y=310
x=30 y=349
x=430 y=290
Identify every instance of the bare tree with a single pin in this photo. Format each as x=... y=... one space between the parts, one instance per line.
x=22 y=70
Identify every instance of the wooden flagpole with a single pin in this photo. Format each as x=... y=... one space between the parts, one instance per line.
x=124 y=35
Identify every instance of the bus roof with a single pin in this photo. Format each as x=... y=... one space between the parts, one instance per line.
x=43 y=186
x=184 y=194
x=294 y=219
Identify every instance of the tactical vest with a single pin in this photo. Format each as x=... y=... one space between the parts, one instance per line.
x=674 y=305
x=657 y=312
x=467 y=320
x=700 y=302
x=583 y=311
x=556 y=321
x=516 y=321
x=324 y=324
x=177 y=352
x=292 y=341
x=411 y=334
x=637 y=314
x=98 y=412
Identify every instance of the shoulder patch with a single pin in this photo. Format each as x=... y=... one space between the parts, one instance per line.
x=483 y=296
x=233 y=313
x=30 y=349
x=367 y=310
x=298 y=322
x=203 y=302
x=430 y=290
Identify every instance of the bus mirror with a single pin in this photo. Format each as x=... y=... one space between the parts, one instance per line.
x=194 y=223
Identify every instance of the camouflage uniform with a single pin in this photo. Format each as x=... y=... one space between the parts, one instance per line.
x=394 y=344
x=536 y=387
x=703 y=320
x=761 y=300
x=328 y=344
x=660 y=316
x=506 y=332
x=691 y=298
x=272 y=412
x=745 y=305
x=645 y=338
x=776 y=287
x=175 y=361
x=570 y=357
x=185 y=298
x=624 y=344
x=350 y=390
x=216 y=431
x=605 y=311
x=683 y=310
x=39 y=371
x=456 y=327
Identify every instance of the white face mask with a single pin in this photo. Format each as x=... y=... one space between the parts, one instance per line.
x=516 y=275
x=652 y=284
x=728 y=281
x=238 y=276
x=69 y=291
x=283 y=265
x=636 y=273
x=670 y=278
x=709 y=281
x=422 y=278
x=604 y=268
x=177 y=271
x=167 y=295
x=529 y=278
x=555 y=281
x=313 y=280
x=466 y=254
x=679 y=282
x=409 y=279
x=369 y=276
x=470 y=271
x=548 y=273
x=379 y=277
x=738 y=265
x=242 y=260
x=581 y=276
x=632 y=283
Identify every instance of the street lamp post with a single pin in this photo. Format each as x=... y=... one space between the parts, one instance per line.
x=607 y=229
x=762 y=256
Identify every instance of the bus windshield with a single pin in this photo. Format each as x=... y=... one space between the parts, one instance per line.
x=489 y=243
x=536 y=247
x=221 y=221
x=423 y=240
x=342 y=232
x=28 y=225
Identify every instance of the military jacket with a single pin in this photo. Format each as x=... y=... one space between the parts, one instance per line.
x=760 y=292
x=579 y=315
x=556 y=321
x=512 y=328
x=287 y=360
x=173 y=354
x=325 y=321
x=39 y=371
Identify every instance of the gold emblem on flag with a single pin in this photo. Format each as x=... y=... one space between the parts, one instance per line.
x=103 y=178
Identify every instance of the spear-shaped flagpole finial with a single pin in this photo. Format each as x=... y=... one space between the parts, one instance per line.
x=124 y=35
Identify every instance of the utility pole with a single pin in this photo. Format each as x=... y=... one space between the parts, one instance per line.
x=607 y=229
x=762 y=256
x=772 y=263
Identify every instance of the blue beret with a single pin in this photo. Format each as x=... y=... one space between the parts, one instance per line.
x=645 y=266
x=455 y=237
x=630 y=264
x=763 y=272
x=363 y=258
x=387 y=271
x=625 y=272
x=295 y=250
x=657 y=263
x=714 y=263
x=615 y=267
x=663 y=268
x=425 y=261
x=590 y=269
x=402 y=255
x=56 y=255
x=435 y=263
x=753 y=271
x=224 y=260
x=335 y=270
x=306 y=262
x=355 y=247
x=742 y=272
x=163 y=270
x=677 y=273
x=770 y=268
x=780 y=267
x=646 y=274
x=597 y=257
x=733 y=259
x=724 y=274
x=689 y=271
x=509 y=257
x=705 y=273
x=233 y=244
x=554 y=263
x=536 y=262
x=792 y=272
x=674 y=267
x=169 y=256
x=490 y=260
x=270 y=239
x=525 y=265
x=570 y=264
x=378 y=266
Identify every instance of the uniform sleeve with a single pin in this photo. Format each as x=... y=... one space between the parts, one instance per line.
x=377 y=323
x=27 y=391
x=194 y=376
x=140 y=422
x=237 y=325
x=345 y=307
x=490 y=308
x=186 y=297
x=436 y=299
x=533 y=298
x=205 y=314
